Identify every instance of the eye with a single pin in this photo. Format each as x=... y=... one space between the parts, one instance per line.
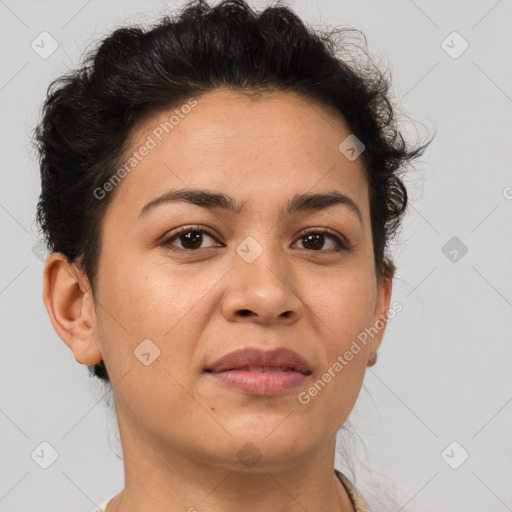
x=190 y=238
x=314 y=240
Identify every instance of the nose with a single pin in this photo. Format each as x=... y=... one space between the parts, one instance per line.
x=262 y=291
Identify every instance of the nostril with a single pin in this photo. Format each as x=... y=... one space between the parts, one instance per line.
x=245 y=312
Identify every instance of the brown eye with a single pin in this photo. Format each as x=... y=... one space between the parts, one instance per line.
x=315 y=241
x=190 y=238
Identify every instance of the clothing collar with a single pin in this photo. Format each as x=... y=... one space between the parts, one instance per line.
x=358 y=502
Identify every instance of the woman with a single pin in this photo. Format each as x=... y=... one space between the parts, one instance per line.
x=218 y=194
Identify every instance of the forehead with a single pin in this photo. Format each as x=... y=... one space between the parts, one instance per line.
x=267 y=148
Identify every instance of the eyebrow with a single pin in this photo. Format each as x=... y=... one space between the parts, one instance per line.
x=219 y=201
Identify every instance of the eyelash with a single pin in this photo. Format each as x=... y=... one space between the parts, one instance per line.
x=341 y=245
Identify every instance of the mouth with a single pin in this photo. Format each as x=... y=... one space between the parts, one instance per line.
x=260 y=372
x=263 y=369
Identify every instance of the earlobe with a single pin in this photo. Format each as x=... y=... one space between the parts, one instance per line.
x=372 y=359
x=70 y=307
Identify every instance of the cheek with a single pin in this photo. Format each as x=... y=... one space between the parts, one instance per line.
x=345 y=306
x=148 y=339
x=148 y=299
x=343 y=310
x=156 y=303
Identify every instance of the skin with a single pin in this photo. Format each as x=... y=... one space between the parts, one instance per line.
x=180 y=430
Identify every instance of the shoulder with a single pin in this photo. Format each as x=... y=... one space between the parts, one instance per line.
x=359 y=503
x=103 y=506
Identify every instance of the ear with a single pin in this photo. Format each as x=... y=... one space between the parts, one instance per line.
x=380 y=315
x=70 y=306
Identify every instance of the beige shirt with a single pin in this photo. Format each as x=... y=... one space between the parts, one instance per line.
x=358 y=501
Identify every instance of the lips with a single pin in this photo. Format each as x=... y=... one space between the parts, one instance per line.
x=258 y=372
x=258 y=360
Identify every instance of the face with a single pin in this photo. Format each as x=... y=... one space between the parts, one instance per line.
x=180 y=285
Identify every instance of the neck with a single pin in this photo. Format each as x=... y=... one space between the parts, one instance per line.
x=160 y=481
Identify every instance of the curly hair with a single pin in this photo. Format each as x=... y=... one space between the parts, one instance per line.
x=89 y=113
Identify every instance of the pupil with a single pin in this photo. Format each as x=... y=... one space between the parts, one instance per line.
x=314 y=245
x=191 y=238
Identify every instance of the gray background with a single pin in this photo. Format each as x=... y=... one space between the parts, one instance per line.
x=444 y=368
